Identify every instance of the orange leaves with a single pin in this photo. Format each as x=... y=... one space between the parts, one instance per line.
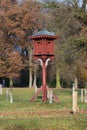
x=21 y=20
x=2 y=68
x=16 y=24
x=11 y=65
x=20 y=33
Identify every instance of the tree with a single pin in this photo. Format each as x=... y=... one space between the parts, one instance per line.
x=20 y=21
x=11 y=64
x=67 y=54
x=84 y=5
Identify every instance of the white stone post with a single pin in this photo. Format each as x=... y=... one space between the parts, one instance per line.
x=85 y=95
x=74 y=100
x=35 y=88
x=82 y=95
x=0 y=89
x=50 y=96
x=11 y=96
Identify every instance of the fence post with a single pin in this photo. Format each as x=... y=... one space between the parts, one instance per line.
x=85 y=95
x=0 y=89
x=11 y=96
x=82 y=95
x=50 y=96
x=74 y=100
x=35 y=89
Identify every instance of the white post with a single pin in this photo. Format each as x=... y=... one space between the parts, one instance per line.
x=50 y=96
x=82 y=95
x=85 y=95
x=0 y=89
x=11 y=97
x=75 y=100
x=35 y=88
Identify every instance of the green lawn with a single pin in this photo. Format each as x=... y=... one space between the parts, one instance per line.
x=25 y=115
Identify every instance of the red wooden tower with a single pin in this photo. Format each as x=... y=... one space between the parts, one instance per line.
x=43 y=42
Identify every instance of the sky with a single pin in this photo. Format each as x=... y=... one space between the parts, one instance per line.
x=80 y=1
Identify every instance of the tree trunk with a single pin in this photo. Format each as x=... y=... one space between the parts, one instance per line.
x=11 y=94
x=30 y=69
x=84 y=5
x=76 y=82
x=35 y=77
x=30 y=77
x=58 y=78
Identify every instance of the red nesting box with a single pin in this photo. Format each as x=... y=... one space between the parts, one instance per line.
x=43 y=42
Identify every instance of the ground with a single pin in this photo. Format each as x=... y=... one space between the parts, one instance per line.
x=25 y=115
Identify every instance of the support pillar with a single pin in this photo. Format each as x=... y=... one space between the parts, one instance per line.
x=44 y=88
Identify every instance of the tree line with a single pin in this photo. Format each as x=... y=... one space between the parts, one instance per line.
x=68 y=20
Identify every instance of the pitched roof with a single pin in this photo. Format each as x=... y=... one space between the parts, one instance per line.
x=44 y=32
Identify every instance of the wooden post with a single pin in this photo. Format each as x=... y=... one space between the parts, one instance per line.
x=74 y=100
x=85 y=95
x=82 y=95
x=44 y=88
x=0 y=89
x=35 y=88
x=50 y=96
x=11 y=96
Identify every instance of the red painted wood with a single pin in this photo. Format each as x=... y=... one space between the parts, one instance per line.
x=43 y=45
x=44 y=89
x=43 y=49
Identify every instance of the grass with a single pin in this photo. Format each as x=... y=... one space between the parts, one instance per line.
x=25 y=115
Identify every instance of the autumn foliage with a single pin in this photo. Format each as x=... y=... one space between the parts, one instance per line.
x=19 y=21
